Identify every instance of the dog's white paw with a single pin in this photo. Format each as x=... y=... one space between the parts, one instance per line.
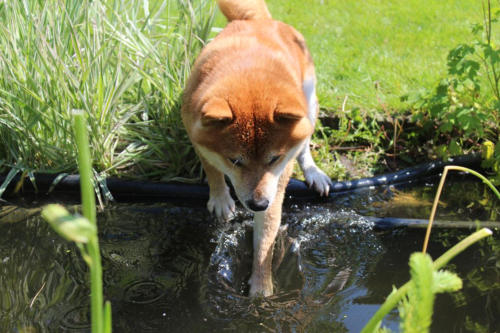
x=222 y=205
x=318 y=180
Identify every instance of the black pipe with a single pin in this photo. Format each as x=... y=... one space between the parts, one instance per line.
x=130 y=190
x=396 y=222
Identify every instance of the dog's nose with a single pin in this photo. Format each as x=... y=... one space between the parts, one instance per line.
x=258 y=205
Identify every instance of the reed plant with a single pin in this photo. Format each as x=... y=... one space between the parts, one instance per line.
x=123 y=62
x=83 y=230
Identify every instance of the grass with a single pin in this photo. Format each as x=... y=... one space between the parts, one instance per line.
x=125 y=65
x=376 y=51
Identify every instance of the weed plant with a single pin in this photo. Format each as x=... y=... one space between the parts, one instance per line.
x=122 y=62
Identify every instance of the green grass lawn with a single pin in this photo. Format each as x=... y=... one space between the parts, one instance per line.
x=375 y=51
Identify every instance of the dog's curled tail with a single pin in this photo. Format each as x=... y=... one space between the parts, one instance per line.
x=244 y=9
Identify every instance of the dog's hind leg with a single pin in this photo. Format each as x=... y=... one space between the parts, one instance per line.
x=266 y=226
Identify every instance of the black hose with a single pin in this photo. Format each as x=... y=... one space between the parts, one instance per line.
x=299 y=190
x=130 y=190
x=396 y=222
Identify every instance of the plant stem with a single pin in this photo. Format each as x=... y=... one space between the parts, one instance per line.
x=434 y=208
x=107 y=317
x=461 y=246
x=477 y=174
x=393 y=299
x=89 y=211
x=85 y=167
x=438 y=194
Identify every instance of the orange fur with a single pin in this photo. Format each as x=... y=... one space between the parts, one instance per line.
x=258 y=70
x=244 y=9
x=246 y=111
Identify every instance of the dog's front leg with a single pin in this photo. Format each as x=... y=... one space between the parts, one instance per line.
x=220 y=202
x=314 y=176
x=266 y=226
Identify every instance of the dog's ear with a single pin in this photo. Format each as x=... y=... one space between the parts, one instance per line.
x=216 y=112
x=288 y=114
x=295 y=118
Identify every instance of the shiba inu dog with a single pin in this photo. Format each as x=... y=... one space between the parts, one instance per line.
x=249 y=108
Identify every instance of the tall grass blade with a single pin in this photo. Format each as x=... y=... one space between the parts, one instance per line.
x=8 y=179
x=89 y=211
x=107 y=317
x=56 y=181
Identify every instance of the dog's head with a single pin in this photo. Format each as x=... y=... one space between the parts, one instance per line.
x=251 y=137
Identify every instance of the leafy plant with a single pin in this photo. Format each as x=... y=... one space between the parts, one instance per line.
x=412 y=296
x=416 y=307
x=464 y=109
x=415 y=299
x=83 y=230
x=123 y=63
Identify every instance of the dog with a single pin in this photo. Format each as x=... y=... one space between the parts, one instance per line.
x=249 y=108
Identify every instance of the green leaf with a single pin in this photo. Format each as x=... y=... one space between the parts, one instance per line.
x=492 y=55
x=74 y=228
x=477 y=28
x=454 y=148
x=456 y=58
x=469 y=84
x=10 y=176
x=445 y=281
x=416 y=310
x=446 y=127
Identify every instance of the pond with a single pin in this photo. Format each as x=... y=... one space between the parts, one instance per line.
x=174 y=269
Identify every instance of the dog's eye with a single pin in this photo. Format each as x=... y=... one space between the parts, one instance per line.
x=236 y=162
x=274 y=159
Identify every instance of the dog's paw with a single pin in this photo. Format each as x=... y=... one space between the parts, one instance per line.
x=222 y=205
x=318 y=180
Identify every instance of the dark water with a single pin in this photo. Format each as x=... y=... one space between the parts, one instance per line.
x=173 y=269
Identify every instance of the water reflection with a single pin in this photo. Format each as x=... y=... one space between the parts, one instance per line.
x=41 y=277
x=173 y=269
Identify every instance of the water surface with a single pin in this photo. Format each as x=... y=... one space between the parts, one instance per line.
x=174 y=269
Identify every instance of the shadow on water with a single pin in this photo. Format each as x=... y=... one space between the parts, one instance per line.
x=173 y=269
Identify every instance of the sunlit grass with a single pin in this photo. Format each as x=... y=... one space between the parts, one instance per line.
x=376 y=51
